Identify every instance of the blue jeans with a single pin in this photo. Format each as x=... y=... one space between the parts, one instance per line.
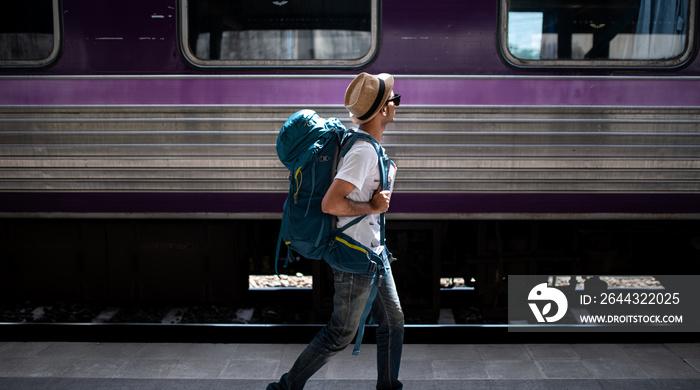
x=349 y=300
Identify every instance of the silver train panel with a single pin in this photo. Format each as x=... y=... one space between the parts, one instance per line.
x=459 y=149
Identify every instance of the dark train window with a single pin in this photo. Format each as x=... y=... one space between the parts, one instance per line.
x=597 y=33
x=271 y=33
x=29 y=33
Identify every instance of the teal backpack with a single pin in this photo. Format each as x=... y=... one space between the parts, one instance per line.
x=310 y=147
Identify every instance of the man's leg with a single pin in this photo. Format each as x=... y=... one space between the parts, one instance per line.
x=349 y=301
x=388 y=314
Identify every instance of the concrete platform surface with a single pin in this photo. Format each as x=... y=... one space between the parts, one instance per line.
x=71 y=365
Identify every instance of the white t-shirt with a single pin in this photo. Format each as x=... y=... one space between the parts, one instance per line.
x=360 y=167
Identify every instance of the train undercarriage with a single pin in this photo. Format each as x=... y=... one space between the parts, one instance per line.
x=462 y=265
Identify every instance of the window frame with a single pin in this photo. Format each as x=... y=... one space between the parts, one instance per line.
x=313 y=63
x=679 y=61
x=57 y=39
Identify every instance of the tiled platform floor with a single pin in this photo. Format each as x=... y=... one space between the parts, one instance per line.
x=69 y=365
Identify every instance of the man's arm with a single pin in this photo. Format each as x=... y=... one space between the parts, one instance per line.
x=336 y=203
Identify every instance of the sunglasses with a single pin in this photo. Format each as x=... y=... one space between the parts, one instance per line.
x=396 y=99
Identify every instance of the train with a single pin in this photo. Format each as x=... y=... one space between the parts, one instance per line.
x=137 y=139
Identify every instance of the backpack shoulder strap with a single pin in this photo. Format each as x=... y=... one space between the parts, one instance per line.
x=383 y=161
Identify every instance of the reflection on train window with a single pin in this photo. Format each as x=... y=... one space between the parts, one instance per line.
x=279 y=33
x=597 y=32
x=28 y=33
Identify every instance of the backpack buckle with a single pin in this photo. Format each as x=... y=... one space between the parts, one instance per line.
x=372 y=267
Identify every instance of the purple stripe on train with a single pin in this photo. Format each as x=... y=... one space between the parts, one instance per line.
x=188 y=203
x=310 y=91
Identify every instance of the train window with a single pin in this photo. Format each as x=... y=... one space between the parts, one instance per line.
x=597 y=33
x=255 y=33
x=29 y=33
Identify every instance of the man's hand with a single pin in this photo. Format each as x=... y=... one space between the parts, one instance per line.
x=380 y=202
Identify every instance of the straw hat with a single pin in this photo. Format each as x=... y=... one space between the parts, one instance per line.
x=366 y=95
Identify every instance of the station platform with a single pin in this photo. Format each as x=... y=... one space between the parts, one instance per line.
x=240 y=366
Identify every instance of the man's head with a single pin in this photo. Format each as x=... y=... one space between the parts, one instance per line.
x=367 y=95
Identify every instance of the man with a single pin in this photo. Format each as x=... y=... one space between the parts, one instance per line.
x=356 y=191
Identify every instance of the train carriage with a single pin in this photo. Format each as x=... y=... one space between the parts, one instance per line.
x=533 y=136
